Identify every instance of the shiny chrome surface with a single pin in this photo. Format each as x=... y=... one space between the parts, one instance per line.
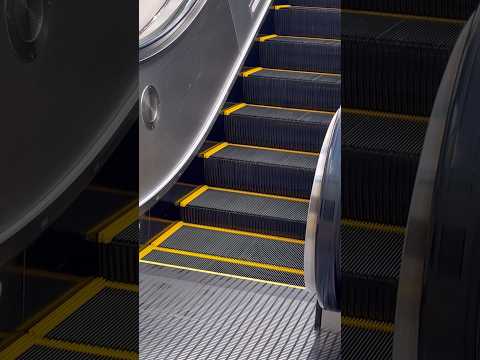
x=149 y=106
x=447 y=116
x=62 y=107
x=193 y=77
x=322 y=239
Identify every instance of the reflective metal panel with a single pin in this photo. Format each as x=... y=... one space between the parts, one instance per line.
x=193 y=77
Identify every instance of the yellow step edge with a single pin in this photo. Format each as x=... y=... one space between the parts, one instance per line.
x=57 y=316
x=221 y=274
x=276 y=149
x=405 y=16
x=232 y=109
x=192 y=195
x=121 y=286
x=304 y=72
x=148 y=243
x=157 y=241
x=374 y=226
x=266 y=37
x=18 y=347
x=293 y=109
x=106 y=235
x=232 y=261
x=310 y=38
x=88 y=349
x=246 y=233
x=251 y=71
x=414 y=118
x=367 y=324
x=156 y=219
x=212 y=150
x=279 y=7
x=269 y=196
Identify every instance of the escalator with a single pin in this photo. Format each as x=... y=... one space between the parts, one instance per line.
x=394 y=55
x=225 y=279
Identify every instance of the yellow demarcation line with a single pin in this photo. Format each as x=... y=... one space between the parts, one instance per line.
x=275 y=149
x=251 y=71
x=367 y=324
x=405 y=16
x=266 y=37
x=192 y=195
x=294 y=109
x=91 y=234
x=220 y=274
x=311 y=38
x=374 y=226
x=214 y=149
x=269 y=196
x=232 y=261
x=304 y=72
x=387 y=115
x=279 y=7
x=164 y=235
x=147 y=244
x=107 y=234
x=17 y=348
x=232 y=109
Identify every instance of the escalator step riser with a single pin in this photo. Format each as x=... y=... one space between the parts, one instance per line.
x=292 y=93
x=261 y=178
x=300 y=55
x=368 y=298
x=244 y=222
x=460 y=9
x=119 y=262
x=269 y=132
x=377 y=187
x=313 y=22
x=364 y=344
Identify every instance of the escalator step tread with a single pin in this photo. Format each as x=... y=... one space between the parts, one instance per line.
x=359 y=343
x=300 y=53
x=305 y=90
x=50 y=353
x=307 y=21
x=262 y=170
x=248 y=212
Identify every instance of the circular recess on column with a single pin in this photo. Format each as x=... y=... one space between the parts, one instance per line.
x=149 y=104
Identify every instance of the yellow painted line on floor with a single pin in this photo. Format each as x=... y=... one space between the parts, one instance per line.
x=94 y=231
x=232 y=109
x=246 y=233
x=220 y=274
x=88 y=349
x=192 y=195
x=164 y=235
x=367 y=324
x=293 y=109
x=231 y=261
x=280 y=7
x=275 y=149
x=374 y=226
x=387 y=115
x=18 y=347
x=212 y=150
x=106 y=235
x=67 y=308
x=266 y=37
x=251 y=71
x=269 y=196
x=405 y=16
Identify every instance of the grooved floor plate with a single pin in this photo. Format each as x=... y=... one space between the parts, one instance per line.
x=191 y=316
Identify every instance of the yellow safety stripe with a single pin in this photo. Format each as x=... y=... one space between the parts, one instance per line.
x=305 y=72
x=231 y=260
x=310 y=38
x=367 y=324
x=270 y=196
x=266 y=37
x=279 y=7
x=147 y=244
x=374 y=226
x=275 y=149
x=251 y=71
x=214 y=149
x=293 y=109
x=192 y=195
x=121 y=286
x=164 y=235
x=17 y=348
x=107 y=234
x=233 y=108
x=387 y=115
x=405 y=16
x=221 y=274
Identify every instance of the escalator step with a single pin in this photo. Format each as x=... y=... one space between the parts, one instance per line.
x=44 y=352
x=379 y=171
x=366 y=340
x=371 y=257
x=299 y=53
x=276 y=127
x=375 y=46
x=460 y=9
x=307 y=21
x=229 y=252
x=305 y=90
x=313 y=3
x=262 y=170
x=254 y=212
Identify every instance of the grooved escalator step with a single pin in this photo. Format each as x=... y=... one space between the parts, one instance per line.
x=307 y=21
x=374 y=48
x=313 y=3
x=228 y=252
x=366 y=340
x=305 y=90
x=261 y=170
x=43 y=352
x=276 y=127
x=260 y=213
x=379 y=170
x=371 y=257
x=460 y=9
x=300 y=53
